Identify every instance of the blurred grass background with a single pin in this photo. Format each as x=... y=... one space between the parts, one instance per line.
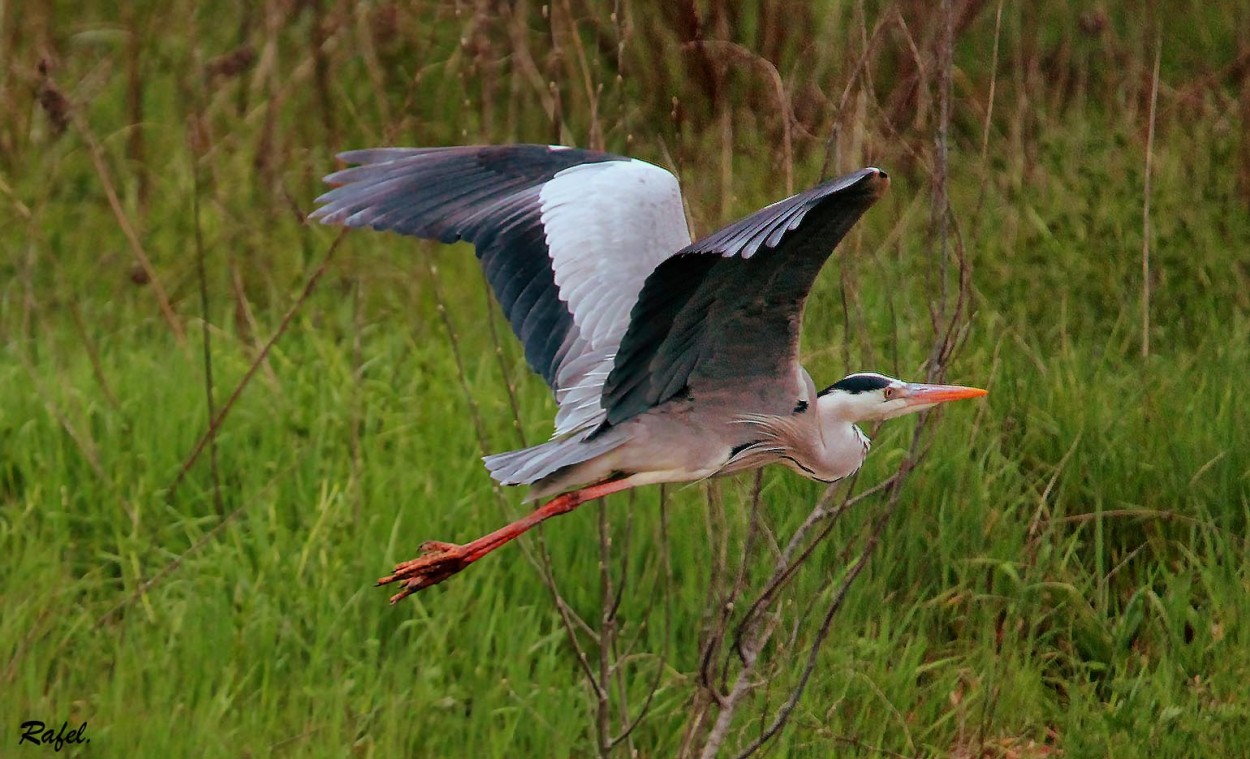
x=1067 y=573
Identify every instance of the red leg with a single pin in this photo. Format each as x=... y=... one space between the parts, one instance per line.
x=439 y=560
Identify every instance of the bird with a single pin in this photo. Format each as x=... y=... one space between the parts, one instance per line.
x=670 y=359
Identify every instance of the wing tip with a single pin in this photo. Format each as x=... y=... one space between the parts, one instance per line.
x=877 y=181
x=869 y=181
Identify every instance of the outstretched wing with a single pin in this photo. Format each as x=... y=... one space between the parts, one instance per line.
x=721 y=318
x=566 y=238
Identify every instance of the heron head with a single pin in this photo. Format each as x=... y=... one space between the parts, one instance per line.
x=872 y=397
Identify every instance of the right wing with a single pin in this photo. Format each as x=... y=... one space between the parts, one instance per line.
x=720 y=320
x=566 y=238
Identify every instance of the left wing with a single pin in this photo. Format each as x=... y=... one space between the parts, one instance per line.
x=566 y=238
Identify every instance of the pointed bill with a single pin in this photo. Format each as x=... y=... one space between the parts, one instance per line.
x=917 y=394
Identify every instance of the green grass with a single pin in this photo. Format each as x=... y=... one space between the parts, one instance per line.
x=1068 y=567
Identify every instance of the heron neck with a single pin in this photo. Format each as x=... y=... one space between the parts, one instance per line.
x=840 y=446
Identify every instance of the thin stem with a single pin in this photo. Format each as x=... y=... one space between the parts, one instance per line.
x=205 y=335
x=1145 y=211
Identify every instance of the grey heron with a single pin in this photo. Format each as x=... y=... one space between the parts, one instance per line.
x=670 y=360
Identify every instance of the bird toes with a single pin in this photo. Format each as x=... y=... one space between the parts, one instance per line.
x=437 y=562
x=437 y=546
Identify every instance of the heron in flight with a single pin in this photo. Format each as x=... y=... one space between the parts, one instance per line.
x=670 y=360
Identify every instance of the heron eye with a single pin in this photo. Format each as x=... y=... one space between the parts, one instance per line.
x=890 y=393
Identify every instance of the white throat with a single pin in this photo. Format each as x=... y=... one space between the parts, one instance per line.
x=838 y=447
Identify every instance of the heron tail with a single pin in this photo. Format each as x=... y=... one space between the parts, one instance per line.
x=529 y=465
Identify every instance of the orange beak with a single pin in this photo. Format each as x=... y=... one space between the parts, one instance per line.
x=927 y=395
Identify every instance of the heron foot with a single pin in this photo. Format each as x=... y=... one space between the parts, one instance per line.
x=437 y=562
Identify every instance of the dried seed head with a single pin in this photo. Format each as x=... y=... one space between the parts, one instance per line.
x=231 y=64
x=56 y=105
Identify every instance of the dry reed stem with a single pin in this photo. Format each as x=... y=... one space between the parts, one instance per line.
x=989 y=114
x=785 y=108
x=607 y=635
x=96 y=151
x=726 y=604
x=524 y=66
x=1243 y=109
x=135 y=149
x=940 y=219
x=93 y=355
x=22 y=210
x=356 y=424
x=195 y=146
x=860 y=71
x=246 y=325
x=82 y=441
x=1145 y=211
